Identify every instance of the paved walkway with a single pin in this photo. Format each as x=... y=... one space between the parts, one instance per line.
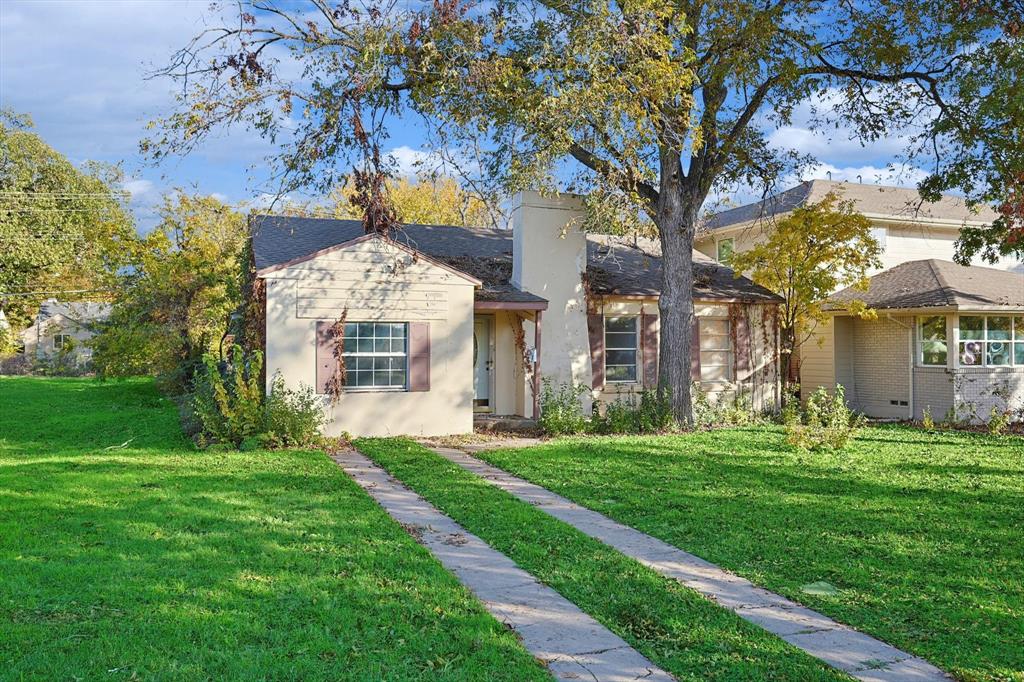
x=573 y=645
x=840 y=646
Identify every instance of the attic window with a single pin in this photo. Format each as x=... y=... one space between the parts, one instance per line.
x=61 y=340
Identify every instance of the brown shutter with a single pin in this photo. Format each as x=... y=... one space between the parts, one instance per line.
x=741 y=330
x=649 y=322
x=419 y=356
x=695 y=350
x=595 y=326
x=325 y=360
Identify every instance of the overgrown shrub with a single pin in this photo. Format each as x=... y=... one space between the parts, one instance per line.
x=643 y=412
x=228 y=407
x=228 y=401
x=19 y=364
x=294 y=417
x=735 y=410
x=561 y=409
x=826 y=422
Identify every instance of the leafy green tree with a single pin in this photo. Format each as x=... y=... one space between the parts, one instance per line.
x=62 y=228
x=175 y=302
x=805 y=257
x=655 y=103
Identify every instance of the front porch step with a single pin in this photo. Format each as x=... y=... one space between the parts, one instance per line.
x=503 y=423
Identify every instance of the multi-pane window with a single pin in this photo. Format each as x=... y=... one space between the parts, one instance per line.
x=715 y=349
x=376 y=355
x=931 y=341
x=620 y=346
x=725 y=249
x=991 y=341
x=60 y=340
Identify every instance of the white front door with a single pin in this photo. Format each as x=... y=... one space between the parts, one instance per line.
x=482 y=362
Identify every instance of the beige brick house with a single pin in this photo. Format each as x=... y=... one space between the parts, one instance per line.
x=444 y=323
x=947 y=338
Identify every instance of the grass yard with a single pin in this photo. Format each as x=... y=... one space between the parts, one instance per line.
x=922 y=533
x=125 y=554
x=676 y=628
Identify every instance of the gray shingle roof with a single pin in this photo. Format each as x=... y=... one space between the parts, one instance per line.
x=614 y=267
x=79 y=311
x=937 y=284
x=897 y=202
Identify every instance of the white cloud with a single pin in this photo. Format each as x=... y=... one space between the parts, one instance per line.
x=137 y=187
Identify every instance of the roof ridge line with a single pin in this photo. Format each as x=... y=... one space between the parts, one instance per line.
x=941 y=281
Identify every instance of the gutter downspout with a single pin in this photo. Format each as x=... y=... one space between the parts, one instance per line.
x=910 y=355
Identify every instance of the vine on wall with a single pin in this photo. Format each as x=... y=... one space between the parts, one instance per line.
x=336 y=383
x=519 y=335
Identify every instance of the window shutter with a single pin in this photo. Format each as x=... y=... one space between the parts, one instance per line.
x=649 y=322
x=695 y=350
x=326 y=363
x=419 y=356
x=741 y=331
x=595 y=326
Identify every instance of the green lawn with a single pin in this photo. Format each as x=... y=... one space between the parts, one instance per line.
x=675 y=627
x=125 y=554
x=922 y=533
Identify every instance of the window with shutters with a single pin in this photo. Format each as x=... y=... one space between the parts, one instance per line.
x=716 y=361
x=620 y=349
x=376 y=355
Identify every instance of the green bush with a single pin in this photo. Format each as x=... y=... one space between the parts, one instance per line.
x=643 y=412
x=294 y=417
x=228 y=407
x=737 y=410
x=561 y=410
x=228 y=401
x=826 y=422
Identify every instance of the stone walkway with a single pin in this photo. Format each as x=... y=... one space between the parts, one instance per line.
x=842 y=647
x=573 y=645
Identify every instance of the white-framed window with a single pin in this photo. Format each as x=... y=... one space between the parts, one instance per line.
x=376 y=355
x=932 y=344
x=990 y=340
x=620 y=349
x=61 y=340
x=716 y=361
x=724 y=249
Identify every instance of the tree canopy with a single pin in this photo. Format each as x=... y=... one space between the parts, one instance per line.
x=656 y=103
x=173 y=304
x=65 y=230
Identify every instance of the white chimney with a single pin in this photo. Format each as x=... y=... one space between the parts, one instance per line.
x=549 y=257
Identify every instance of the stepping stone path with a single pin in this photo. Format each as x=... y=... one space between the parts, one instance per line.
x=573 y=645
x=842 y=647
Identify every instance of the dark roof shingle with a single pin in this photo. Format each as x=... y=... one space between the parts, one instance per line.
x=614 y=268
x=937 y=284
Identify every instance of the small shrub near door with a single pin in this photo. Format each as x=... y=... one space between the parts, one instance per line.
x=825 y=423
x=561 y=409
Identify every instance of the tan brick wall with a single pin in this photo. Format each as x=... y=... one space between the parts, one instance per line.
x=978 y=390
x=933 y=390
x=881 y=366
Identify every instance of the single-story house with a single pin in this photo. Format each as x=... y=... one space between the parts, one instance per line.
x=442 y=323
x=947 y=338
x=64 y=326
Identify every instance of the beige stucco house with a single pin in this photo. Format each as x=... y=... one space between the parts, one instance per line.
x=946 y=338
x=63 y=326
x=444 y=323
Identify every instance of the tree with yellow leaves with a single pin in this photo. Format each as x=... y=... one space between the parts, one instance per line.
x=809 y=254
x=426 y=201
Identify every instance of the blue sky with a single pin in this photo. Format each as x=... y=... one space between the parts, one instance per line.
x=79 y=69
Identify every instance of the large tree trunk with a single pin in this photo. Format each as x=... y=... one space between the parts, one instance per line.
x=676 y=218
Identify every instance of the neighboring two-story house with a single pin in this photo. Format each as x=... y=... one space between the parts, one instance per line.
x=947 y=337
x=442 y=323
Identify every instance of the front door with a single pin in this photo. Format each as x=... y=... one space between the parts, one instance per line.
x=482 y=363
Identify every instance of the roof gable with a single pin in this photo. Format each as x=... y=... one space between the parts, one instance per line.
x=897 y=203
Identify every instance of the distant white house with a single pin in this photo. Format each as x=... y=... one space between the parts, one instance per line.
x=64 y=326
